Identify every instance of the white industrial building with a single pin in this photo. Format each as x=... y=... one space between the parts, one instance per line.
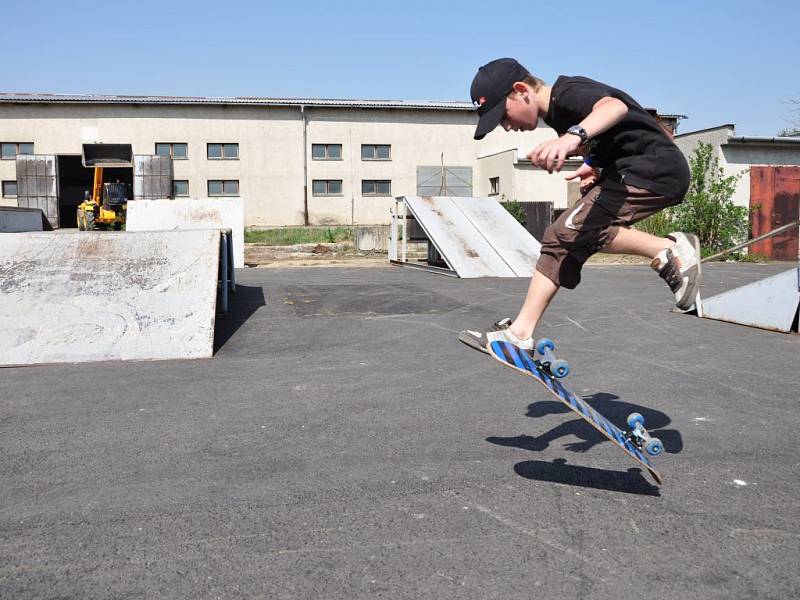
x=738 y=153
x=292 y=161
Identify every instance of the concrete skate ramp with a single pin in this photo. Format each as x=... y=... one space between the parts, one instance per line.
x=189 y=213
x=477 y=237
x=17 y=219
x=95 y=296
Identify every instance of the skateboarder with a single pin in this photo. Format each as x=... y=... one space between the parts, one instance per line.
x=631 y=170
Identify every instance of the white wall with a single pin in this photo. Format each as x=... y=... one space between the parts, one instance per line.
x=499 y=156
x=736 y=158
x=417 y=138
x=270 y=165
x=270 y=145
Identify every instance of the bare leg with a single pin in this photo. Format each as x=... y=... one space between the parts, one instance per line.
x=640 y=243
x=540 y=292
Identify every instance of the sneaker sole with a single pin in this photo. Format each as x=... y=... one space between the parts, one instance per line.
x=465 y=337
x=474 y=342
x=690 y=296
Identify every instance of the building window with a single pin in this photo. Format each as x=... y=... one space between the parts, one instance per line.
x=223 y=151
x=174 y=151
x=223 y=187
x=9 y=150
x=180 y=188
x=326 y=187
x=494 y=186
x=9 y=189
x=326 y=151
x=376 y=152
x=376 y=187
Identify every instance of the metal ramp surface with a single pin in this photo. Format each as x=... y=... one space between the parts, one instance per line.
x=191 y=213
x=19 y=219
x=476 y=237
x=770 y=303
x=98 y=296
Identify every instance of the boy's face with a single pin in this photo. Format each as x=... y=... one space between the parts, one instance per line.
x=522 y=113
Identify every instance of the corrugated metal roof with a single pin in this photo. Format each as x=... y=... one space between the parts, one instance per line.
x=25 y=98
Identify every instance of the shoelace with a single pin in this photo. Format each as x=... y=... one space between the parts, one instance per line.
x=671 y=272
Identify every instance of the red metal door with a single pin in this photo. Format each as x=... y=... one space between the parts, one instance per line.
x=775 y=198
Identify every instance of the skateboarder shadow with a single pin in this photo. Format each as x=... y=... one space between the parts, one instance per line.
x=607 y=405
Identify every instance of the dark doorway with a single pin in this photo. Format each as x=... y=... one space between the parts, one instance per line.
x=74 y=180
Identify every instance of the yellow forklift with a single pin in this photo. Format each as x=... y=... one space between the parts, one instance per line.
x=105 y=205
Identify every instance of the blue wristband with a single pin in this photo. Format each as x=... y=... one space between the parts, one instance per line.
x=587 y=160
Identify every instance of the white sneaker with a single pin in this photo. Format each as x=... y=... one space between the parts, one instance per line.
x=679 y=266
x=477 y=339
x=500 y=331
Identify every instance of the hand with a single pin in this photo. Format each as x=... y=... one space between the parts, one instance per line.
x=587 y=175
x=551 y=154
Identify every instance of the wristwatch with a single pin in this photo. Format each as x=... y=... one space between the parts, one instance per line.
x=580 y=132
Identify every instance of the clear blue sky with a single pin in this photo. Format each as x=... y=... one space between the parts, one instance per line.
x=717 y=61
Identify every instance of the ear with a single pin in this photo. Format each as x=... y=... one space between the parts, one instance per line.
x=520 y=88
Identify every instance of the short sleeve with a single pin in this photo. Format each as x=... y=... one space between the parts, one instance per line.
x=579 y=97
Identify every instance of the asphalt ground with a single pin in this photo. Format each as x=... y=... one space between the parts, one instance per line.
x=343 y=444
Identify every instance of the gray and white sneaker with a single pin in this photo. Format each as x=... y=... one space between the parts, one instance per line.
x=679 y=266
x=479 y=340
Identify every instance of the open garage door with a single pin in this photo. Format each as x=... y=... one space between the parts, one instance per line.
x=37 y=184
x=152 y=177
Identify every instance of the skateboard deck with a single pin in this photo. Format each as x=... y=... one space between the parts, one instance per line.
x=513 y=357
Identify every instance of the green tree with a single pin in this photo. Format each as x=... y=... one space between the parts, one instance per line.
x=516 y=210
x=707 y=210
x=794 y=127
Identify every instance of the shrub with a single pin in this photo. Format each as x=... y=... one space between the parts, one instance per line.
x=516 y=211
x=707 y=210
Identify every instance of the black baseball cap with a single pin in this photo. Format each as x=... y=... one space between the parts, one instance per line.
x=490 y=87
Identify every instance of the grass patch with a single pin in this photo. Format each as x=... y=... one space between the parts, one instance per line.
x=287 y=236
x=750 y=257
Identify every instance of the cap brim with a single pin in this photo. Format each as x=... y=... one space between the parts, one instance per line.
x=490 y=120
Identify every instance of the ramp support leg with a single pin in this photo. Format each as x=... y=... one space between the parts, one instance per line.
x=223 y=268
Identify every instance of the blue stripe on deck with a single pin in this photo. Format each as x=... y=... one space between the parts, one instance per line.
x=529 y=364
x=515 y=354
x=512 y=355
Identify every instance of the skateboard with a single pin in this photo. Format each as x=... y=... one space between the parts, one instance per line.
x=548 y=370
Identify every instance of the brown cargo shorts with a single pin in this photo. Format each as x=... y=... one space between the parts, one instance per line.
x=591 y=225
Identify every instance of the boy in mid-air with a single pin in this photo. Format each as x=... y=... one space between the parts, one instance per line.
x=631 y=170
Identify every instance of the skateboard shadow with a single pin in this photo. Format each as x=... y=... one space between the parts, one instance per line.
x=558 y=471
x=607 y=405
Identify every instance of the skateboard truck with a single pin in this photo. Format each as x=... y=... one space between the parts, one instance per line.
x=546 y=370
x=639 y=436
x=557 y=367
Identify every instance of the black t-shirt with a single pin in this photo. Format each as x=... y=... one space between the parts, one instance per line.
x=636 y=151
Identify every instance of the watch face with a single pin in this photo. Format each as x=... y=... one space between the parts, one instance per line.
x=579 y=131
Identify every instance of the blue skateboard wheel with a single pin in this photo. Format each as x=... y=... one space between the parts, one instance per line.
x=635 y=419
x=654 y=447
x=543 y=343
x=560 y=368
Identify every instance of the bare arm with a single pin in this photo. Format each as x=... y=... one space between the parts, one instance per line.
x=606 y=113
